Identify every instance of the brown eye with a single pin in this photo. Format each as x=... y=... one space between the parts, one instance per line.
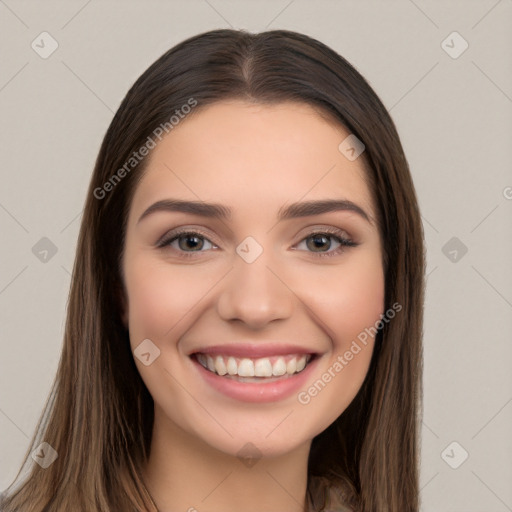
x=326 y=243
x=187 y=241
x=190 y=242
x=319 y=243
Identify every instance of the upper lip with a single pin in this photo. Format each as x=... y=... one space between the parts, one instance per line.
x=253 y=350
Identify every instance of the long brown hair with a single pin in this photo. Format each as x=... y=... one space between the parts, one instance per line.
x=99 y=414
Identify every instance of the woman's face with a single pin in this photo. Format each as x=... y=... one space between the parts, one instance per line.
x=242 y=269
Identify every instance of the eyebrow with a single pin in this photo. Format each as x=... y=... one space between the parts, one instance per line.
x=218 y=211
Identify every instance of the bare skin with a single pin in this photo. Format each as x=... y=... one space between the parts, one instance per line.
x=305 y=288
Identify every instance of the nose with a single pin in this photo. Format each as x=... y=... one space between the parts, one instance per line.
x=255 y=295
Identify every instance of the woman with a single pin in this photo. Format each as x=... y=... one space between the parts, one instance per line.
x=245 y=318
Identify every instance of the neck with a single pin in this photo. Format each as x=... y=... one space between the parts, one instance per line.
x=183 y=473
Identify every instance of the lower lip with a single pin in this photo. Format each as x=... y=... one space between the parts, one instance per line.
x=256 y=391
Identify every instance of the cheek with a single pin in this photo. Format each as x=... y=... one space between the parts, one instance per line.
x=358 y=301
x=347 y=301
x=161 y=297
x=347 y=298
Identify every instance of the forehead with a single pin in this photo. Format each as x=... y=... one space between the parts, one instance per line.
x=253 y=155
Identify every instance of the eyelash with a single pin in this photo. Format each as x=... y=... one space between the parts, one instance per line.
x=329 y=232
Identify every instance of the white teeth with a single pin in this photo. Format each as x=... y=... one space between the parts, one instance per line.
x=246 y=368
x=291 y=367
x=220 y=367
x=301 y=363
x=210 y=363
x=279 y=367
x=232 y=367
x=263 y=367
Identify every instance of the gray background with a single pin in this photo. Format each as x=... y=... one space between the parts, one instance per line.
x=454 y=116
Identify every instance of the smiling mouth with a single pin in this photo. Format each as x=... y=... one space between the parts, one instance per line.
x=247 y=369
